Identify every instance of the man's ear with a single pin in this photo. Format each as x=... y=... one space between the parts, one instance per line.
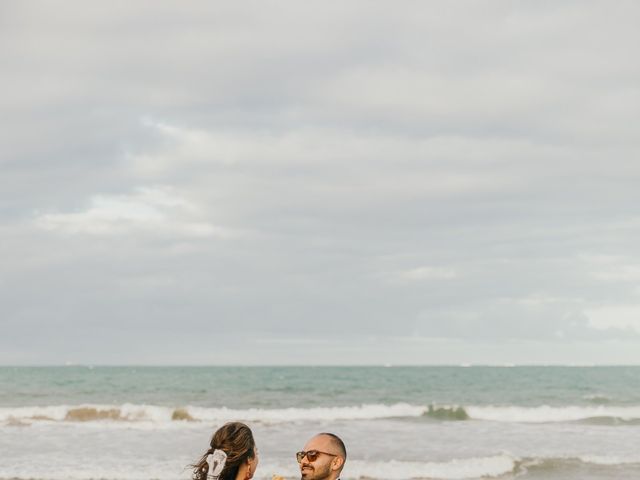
x=337 y=463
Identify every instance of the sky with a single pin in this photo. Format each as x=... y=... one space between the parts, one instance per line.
x=363 y=182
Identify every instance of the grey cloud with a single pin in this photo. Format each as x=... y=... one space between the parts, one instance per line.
x=373 y=170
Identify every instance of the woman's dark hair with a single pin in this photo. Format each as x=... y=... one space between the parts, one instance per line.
x=236 y=440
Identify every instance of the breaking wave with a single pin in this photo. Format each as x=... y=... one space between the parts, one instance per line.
x=547 y=414
x=609 y=460
x=597 y=415
x=598 y=398
x=485 y=467
x=547 y=465
x=446 y=413
x=159 y=414
x=467 y=468
x=495 y=466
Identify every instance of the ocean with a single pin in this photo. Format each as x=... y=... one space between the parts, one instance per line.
x=398 y=423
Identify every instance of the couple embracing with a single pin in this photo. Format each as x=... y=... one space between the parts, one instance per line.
x=234 y=456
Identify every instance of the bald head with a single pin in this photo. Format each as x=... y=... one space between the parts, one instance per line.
x=336 y=443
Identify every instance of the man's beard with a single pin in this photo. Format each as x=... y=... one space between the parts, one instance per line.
x=316 y=473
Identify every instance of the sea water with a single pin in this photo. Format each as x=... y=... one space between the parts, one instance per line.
x=129 y=423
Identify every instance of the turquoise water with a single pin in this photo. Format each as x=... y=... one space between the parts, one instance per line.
x=247 y=387
x=399 y=423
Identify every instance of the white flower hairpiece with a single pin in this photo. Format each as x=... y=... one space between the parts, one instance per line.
x=216 y=461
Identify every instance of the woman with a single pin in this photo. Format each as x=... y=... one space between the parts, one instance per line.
x=233 y=455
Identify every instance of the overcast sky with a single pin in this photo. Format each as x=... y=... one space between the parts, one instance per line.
x=319 y=183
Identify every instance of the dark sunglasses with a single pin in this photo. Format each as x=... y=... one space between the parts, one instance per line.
x=311 y=455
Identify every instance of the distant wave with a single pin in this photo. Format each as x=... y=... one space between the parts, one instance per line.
x=546 y=414
x=599 y=415
x=598 y=398
x=446 y=412
x=159 y=414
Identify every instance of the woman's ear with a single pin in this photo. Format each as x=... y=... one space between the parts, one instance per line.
x=250 y=468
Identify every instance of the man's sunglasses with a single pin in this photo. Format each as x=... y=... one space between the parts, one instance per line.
x=311 y=455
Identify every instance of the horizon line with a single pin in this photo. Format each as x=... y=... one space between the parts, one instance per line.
x=319 y=365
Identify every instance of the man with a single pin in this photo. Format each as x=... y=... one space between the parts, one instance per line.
x=322 y=458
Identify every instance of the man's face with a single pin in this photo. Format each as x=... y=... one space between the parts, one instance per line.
x=320 y=468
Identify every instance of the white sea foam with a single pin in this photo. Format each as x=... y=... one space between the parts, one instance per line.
x=485 y=467
x=87 y=471
x=154 y=414
x=159 y=414
x=363 y=412
x=58 y=413
x=547 y=414
x=609 y=459
x=466 y=468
